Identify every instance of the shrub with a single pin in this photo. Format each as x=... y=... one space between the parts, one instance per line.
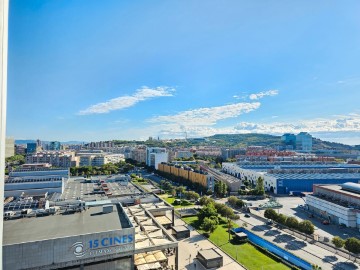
x=353 y=245
x=338 y=242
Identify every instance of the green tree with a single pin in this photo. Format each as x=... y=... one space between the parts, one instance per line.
x=209 y=225
x=292 y=222
x=204 y=200
x=232 y=200
x=352 y=244
x=281 y=218
x=270 y=214
x=208 y=211
x=240 y=203
x=307 y=227
x=230 y=226
x=260 y=186
x=338 y=242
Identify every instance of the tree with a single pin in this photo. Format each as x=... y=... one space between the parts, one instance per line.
x=260 y=186
x=229 y=225
x=270 y=214
x=232 y=200
x=223 y=210
x=208 y=211
x=240 y=203
x=307 y=227
x=352 y=244
x=204 y=200
x=209 y=225
x=292 y=222
x=338 y=242
x=281 y=218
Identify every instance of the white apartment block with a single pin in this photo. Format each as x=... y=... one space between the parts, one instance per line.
x=156 y=155
x=63 y=159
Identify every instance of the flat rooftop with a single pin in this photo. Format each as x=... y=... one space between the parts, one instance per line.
x=209 y=254
x=316 y=176
x=58 y=226
x=86 y=190
x=338 y=189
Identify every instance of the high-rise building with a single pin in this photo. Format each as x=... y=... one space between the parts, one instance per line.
x=289 y=141
x=55 y=146
x=31 y=148
x=9 y=147
x=304 y=142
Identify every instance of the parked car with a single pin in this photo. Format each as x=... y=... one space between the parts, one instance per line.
x=247 y=215
x=269 y=222
x=325 y=222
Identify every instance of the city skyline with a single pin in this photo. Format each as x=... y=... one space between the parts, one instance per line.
x=125 y=70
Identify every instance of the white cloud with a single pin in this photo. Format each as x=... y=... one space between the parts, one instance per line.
x=206 y=116
x=123 y=102
x=339 y=123
x=340 y=128
x=263 y=94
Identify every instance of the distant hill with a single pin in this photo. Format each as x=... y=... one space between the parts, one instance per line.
x=244 y=140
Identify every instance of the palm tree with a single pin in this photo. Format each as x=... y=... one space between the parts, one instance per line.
x=230 y=225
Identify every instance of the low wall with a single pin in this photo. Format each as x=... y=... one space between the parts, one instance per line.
x=275 y=249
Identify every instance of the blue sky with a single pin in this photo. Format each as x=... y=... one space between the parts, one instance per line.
x=98 y=70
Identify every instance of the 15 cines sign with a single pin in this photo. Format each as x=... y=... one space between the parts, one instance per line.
x=102 y=246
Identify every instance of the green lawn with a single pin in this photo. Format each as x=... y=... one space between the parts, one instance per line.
x=246 y=254
x=172 y=199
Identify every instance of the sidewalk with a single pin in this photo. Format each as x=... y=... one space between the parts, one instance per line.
x=310 y=252
x=189 y=247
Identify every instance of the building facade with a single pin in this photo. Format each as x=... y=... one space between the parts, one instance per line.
x=155 y=156
x=9 y=147
x=339 y=204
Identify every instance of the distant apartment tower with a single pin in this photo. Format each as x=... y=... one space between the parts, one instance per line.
x=232 y=152
x=54 y=146
x=156 y=155
x=304 y=142
x=31 y=148
x=289 y=141
x=20 y=149
x=9 y=147
x=139 y=154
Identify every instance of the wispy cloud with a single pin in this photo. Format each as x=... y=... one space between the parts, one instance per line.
x=206 y=116
x=338 y=123
x=127 y=101
x=263 y=94
x=346 y=125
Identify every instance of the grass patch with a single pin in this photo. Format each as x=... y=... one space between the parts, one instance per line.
x=171 y=200
x=246 y=254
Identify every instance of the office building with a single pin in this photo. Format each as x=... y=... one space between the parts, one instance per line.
x=31 y=148
x=289 y=141
x=55 y=146
x=156 y=155
x=304 y=142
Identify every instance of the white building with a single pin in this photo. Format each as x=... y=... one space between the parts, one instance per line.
x=339 y=204
x=63 y=159
x=156 y=155
x=9 y=147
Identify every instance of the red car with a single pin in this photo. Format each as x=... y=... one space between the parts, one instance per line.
x=325 y=222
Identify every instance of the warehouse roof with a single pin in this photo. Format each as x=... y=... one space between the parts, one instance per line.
x=317 y=176
x=58 y=226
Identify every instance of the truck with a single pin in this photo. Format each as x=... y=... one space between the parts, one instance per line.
x=296 y=193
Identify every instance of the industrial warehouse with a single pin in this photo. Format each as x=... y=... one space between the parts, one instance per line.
x=101 y=223
x=337 y=204
x=287 y=177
